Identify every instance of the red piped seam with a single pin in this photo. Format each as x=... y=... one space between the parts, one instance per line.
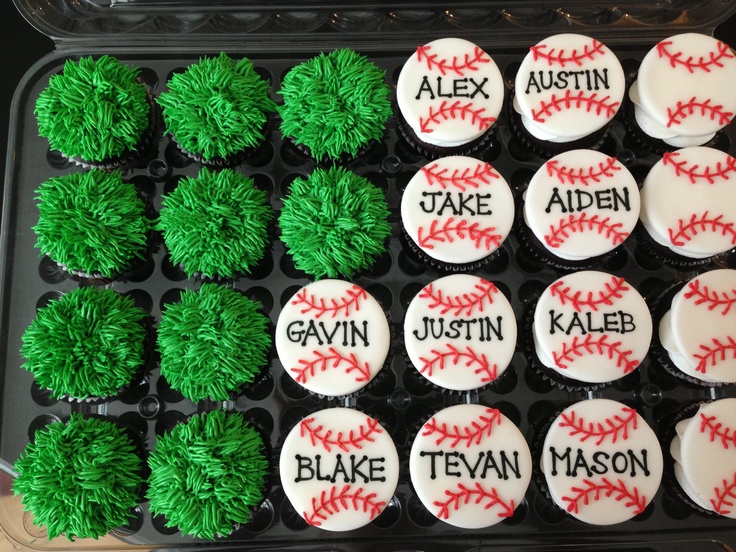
x=612 y=290
x=578 y=101
x=483 y=238
x=463 y=496
x=719 y=352
x=594 y=346
x=687 y=229
x=333 y=359
x=453 y=356
x=703 y=63
x=717 y=430
x=571 y=175
x=469 y=435
x=577 y=57
x=584 y=222
x=460 y=304
x=618 y=490
x=725 y=496
x=613 y=428
x=320 y=306
x=708 y=174
x=468 y=63
x=453 y=111
x=317 y=435
x=482 y=174
x=711 y=298
x=334 y=501
x=681 y=111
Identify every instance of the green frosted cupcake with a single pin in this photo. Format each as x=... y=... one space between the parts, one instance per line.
x=88 y=344
x=334 y=223
x=207 y=474
x=97 y=113
x=80 y=478
x=335 y=105
x=217 y=110
x=212 y=343
x=92 y=224
x=216 y=225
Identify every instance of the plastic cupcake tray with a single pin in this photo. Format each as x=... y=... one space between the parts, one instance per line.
x=399 y=398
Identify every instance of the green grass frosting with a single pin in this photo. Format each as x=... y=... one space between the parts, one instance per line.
x=217 y=107
x=216 y=224
x=212 y=342
x=335 y=103
x=79 y=478
x=92 y=222
x=88 y=343
x=207 y=474
x=334 y=223
x=93 y=110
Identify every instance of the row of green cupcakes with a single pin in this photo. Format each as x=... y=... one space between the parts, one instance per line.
x=98 y=113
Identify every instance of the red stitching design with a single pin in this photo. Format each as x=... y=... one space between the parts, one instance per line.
x=724 y=497
x=713 y=299
x=584 y=222
x=333 y=359
x=578 y=101
x=333 y=502
x=610 y=427
x=687 y=230
x=482 y=174
x=343 y=442
x=469 y=62
x=458 y=303
x=483 y=237
x=594 y=346
x=605 y=487
x=453 y=111
x=716 y=354
x=714 y=58
x=591 y=300
x=582 y=174
x=352 y=299
x=468 y=435
x=717 y=430
x=708 y=173
x=455 y=356
x=684 y=110
x=577 y=57
x=464 y=495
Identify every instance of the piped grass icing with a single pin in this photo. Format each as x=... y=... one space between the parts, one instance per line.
x=212 y=342
x=80 y=478
x=216 y=225
x=335 y=103
x=94 y=110
x=207 y=474
x=217 y=108
x=92 y=222
x=334 y=223
x=88 y=343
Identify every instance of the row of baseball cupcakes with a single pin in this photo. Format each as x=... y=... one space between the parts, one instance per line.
x=470 y=466
x=450 y=94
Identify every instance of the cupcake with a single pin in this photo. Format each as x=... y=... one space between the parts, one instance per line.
x=460 y=332
x=339 y=469
x=212 y=342
x=89 y=344
x=601 y=462
x=456 y=212
x=119 y=128
x=707 y=439
x=449 y=94
x=334 y=223
x=92 y=224
x=683 y=92
x=579 y=206
x=470 y=466
x=698 y=332
x=335 y=105
x=688 y=207
x=589 y=328
x=332 y=337
x=217 y=110
x=207 y=474
x=81 y=478
x=567 y=90
x=215 y=225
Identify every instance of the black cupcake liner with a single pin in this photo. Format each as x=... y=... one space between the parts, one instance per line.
x=659 y=252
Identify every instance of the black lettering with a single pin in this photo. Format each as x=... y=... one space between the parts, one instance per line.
x=491 y=465
x=303 y=463
x=295 y=335
x=555 y=457
x=615 y=462
x=532 y=81
x=473 y=469
x=554 y=322
x=451 y=464
x=318 y=465
x=642 y=463
x=481 y=206
x=340 y=468
x=621 y=197
x=329 y=336
x=507 y=465
x=589 y=316
x=425 y=87
x=459 y=86
x=478 y=88
x=555 y=199
x=584 y=199
x=454 y=331
x=355 y=469
x=600 y=79
x=627 y=322
x=375 y=466
x=599 y=466
x=603 y=199
x=355 y=332
x=433 y=195
x=439 y=89
x=432 y=461
x=580 y=462
x=311 y=331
